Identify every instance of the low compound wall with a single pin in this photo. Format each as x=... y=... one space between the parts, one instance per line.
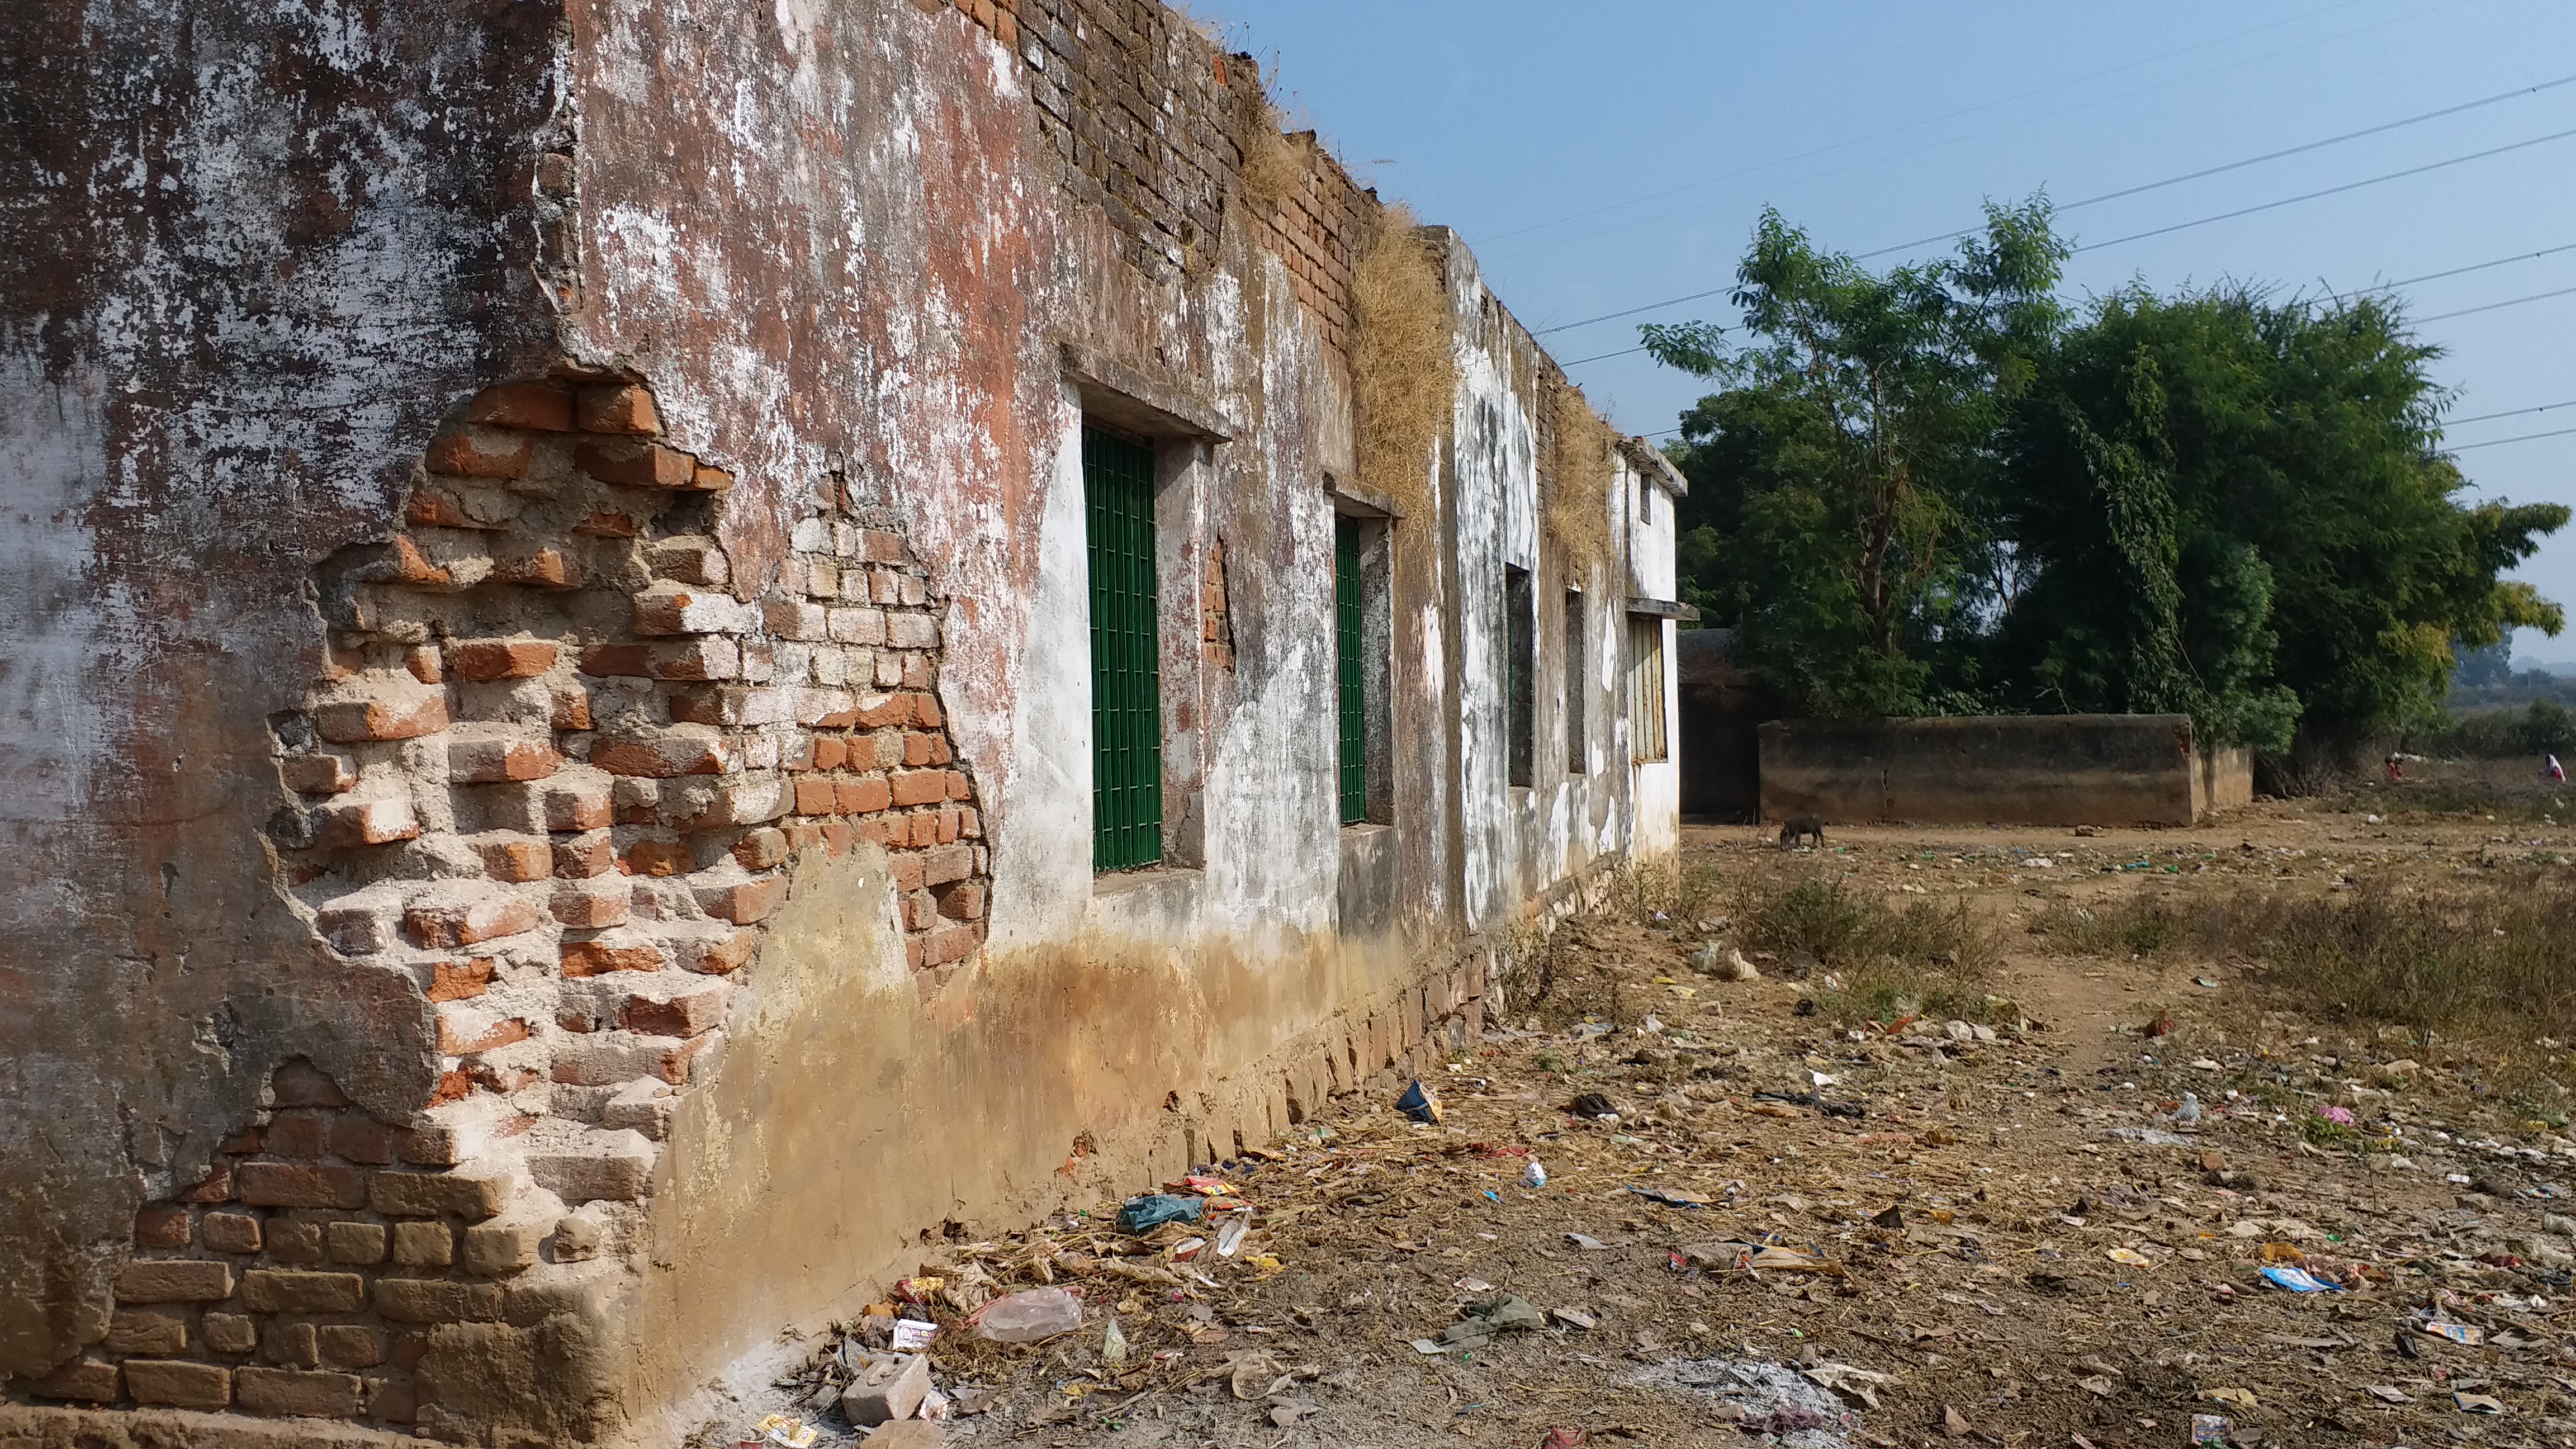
x=2083 y=769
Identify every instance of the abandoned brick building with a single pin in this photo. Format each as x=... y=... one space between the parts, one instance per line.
x=653 y=643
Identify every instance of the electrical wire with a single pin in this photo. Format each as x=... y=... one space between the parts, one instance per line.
x=1641 y=200
x=2492 y=306
x=2405 y=281
x=2155 y=185
x=2251 y=161
x=2525 y=438
x=2458 y=271
x=1931 y=146
x=2330 y=191
x=2515 y=413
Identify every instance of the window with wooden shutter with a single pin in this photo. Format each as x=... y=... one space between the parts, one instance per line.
x=1645 y=688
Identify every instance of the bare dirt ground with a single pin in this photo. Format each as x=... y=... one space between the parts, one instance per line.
x=2004 y=1237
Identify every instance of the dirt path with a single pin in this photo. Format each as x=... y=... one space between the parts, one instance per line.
x=2009 y=1243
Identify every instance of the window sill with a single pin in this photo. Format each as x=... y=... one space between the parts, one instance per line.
x=1141 y=878
x=1359 y=829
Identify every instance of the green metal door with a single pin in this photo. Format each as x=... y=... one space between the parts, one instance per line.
x=1346 y=649
x=1126 y=681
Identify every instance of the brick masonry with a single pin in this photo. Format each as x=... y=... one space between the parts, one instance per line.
x=558 y=771
x=585 y=700
x=1148 y=116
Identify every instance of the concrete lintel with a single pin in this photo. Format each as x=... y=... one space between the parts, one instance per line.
x=1350 y=498
x=1140 y=401
x=1659 y=470
x=1664 y=608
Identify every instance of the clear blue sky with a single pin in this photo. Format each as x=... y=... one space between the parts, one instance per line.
x=1539 y=130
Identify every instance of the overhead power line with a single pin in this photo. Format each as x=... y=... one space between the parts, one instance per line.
x=1883 y=160
x=2256 y=161
x=2156 y=185
x=1642 y=199
x=2331 y=190
x=2436 y=317
x=2492 y=306
x=2463 y=271
x=2525 y=438
x=2515 y=413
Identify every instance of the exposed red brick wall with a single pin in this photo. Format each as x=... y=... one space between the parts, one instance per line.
x=1147 y=113
x=558 y=770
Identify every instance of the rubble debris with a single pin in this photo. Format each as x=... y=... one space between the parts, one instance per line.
x=885 y=1386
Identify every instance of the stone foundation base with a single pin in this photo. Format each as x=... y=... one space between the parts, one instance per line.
x=30 y=1426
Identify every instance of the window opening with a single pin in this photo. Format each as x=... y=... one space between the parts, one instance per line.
x=1520 y=661
x=1574 y=691
x=1347 y=646
x=1645 y=687
x=1126 y=678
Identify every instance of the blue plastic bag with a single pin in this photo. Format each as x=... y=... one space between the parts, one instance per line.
x=1144 y=1214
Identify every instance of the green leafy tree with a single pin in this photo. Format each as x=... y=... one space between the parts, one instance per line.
x=1833 y=473
x=2238 y=508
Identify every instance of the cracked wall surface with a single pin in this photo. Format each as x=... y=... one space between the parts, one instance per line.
x=551 y=746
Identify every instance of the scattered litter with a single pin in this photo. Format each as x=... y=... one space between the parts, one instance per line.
x=1028 y=1316
x=911 y=1335
x=1573 y=1317
x=2239 y=1398
x=1859 y=1383
x=1151 y=1211
x=2149 y=1136
x=2466 y=1335
x=1592 y=1105
x=1418 y=1104
x=1674 y=1196
x=1473 y=1285
x=2469 y=1403
x=1230 y=1237
x=1769 y=1398
x=1533 y=1174
x=1288 y=1416
x=1487 y=1317
x=2300 y=1280
x=1113 y=1345
x=2130 y=1256
x=786 y=1432
x=2388 y=1393
x=2210 y=1428
x=1586 y=1242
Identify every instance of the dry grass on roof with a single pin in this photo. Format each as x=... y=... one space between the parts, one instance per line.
x=1275 y=164
x=1575 y=492
x=1404 y=374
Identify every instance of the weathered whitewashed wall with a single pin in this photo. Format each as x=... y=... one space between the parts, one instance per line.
x=553 y=706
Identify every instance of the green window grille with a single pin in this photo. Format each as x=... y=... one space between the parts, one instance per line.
x=1346 y=653
x=1520 y=670
x=1126 y=683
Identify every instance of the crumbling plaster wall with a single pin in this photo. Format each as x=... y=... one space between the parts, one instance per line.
x=248 y=256
x=845 y=244
x=881 y=291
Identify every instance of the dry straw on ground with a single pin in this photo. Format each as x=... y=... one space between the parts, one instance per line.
x=1403 y=370
x=1576 y=504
